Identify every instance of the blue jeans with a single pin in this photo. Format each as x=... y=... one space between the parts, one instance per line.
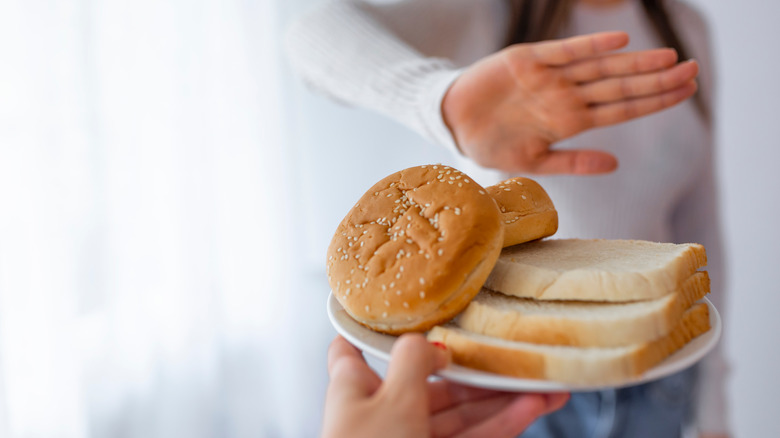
x=659 y=409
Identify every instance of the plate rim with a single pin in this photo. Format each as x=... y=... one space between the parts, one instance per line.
x=483 y=379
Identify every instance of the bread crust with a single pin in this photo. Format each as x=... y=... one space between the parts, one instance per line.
x=594 y=269
x=527 y=211
x=573 y=365
x=573 y=323
x=415 y=249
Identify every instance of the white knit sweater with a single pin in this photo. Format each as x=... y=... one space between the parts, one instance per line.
x=399 y=58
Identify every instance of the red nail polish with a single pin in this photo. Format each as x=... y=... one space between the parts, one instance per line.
x=439 y=345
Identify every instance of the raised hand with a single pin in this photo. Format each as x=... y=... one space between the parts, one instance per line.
x=508 y=109
x=406 y=404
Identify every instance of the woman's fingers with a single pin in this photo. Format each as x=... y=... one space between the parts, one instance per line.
x=648 y=84
x=556 y=401
x=620 y=64
x=564 y=51
x=350 y=376
x=575 y=162
x=446 y=394
x=621 y=111
x=465 y=415
x=516 y=416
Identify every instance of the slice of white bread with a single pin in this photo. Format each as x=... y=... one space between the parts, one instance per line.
x=594 y=270
x=578 y=323
x=575 y=365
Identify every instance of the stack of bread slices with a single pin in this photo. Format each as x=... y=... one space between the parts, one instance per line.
x=582 y=311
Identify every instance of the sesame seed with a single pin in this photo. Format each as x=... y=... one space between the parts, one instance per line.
x=524 y=197
x=384 y=288
x=350 y=281
x=368 y=308
x=398 y=292
x=422 y=294
x=460 y=185
x=401 y=268
x=481 y=192
x=397 y=276
x=387 y=303
x=347 y=291
x=384 y=314
x=466 y=180
x=441 y=251
x=507 y=190
x=392 y=284
x=422 y=280
x=409 y=241
x=457 y=211
x=406 y=305
x=435 y=167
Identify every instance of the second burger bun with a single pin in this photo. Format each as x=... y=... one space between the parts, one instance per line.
x=527 y=212
x=415 y=249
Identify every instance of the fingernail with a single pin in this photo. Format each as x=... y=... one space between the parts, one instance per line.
x=439 y=345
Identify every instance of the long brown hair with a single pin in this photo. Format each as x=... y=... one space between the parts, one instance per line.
x=538 y=20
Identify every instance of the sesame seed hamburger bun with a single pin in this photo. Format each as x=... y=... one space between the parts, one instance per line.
x=527 y=212
x=415 y=249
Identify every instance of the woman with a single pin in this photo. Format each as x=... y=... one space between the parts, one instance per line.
x=467 y=75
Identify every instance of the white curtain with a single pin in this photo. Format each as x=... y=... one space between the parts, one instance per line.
x=147 y=214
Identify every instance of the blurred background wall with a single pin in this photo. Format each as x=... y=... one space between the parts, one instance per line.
x=168 y=188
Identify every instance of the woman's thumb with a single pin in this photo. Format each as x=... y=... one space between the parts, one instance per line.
x=413 y=360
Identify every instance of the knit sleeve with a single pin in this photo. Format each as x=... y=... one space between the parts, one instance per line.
x=343 y=50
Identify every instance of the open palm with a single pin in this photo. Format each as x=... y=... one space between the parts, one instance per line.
x=507 y=110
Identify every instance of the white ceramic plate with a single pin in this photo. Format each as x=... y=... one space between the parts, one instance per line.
x=379 y=345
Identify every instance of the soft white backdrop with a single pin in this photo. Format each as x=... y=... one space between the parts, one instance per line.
x=167 y=191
